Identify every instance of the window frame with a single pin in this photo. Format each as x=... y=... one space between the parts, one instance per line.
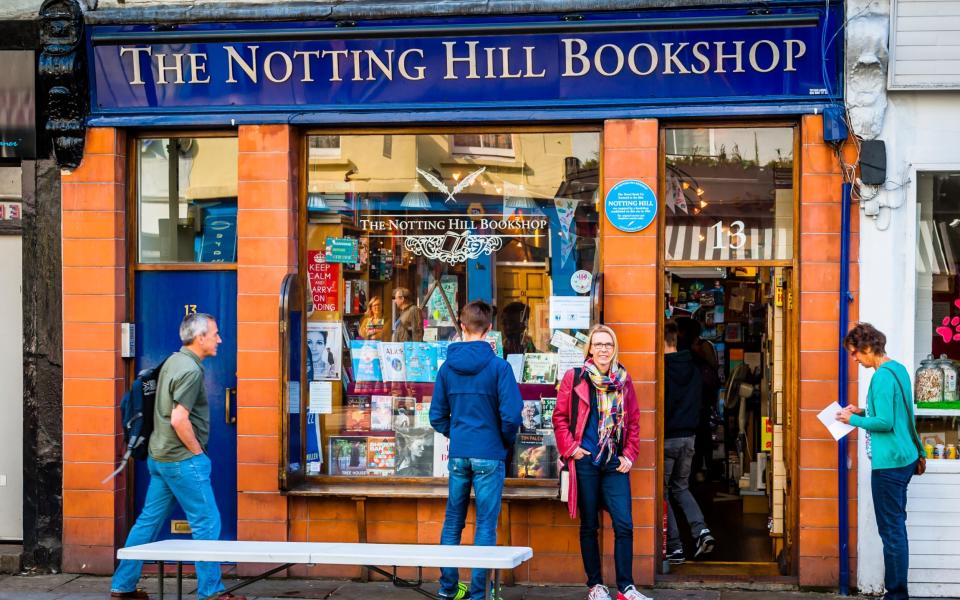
x=416 y=487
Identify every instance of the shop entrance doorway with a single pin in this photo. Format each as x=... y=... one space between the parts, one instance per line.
x=734 y=334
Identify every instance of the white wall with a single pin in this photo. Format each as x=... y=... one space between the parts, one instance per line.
x=11 y=390
x=922 y=132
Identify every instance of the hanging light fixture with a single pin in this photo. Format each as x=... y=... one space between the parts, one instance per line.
x=316 y=201
x=516 y=196
x=415 y=198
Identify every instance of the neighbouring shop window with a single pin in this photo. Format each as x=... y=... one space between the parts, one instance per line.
x=729 y=193
x=397 y=242
x=324 y=146
x=187 y=200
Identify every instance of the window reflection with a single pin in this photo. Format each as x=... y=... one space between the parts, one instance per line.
x=403 y=230
x=729 y=193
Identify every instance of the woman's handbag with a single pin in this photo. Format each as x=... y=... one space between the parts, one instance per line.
x=922 y=460
x=563 y=472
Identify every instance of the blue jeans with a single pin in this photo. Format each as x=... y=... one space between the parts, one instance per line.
x=186 y=482
x=889 y=487
x=486 y=478
x=601 y=486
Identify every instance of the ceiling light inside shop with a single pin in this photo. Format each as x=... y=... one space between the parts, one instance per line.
x=415 y=198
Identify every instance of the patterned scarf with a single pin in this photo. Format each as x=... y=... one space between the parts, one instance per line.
x=610 y=406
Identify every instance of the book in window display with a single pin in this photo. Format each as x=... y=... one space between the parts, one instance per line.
x=404 y=412
x=442 y=346
x=421 y=361
x=549 y=405
x=415 y=452
x=539 y=368
x=381 y=456
x=531 y=416
x=357 y=414
x=533 y=458
x=381 y=413
x=314 y=457
x=441 y=455
x=365 y=355
x=324 y=350
x=348 y=456
x=423 y=413
x=392 y=361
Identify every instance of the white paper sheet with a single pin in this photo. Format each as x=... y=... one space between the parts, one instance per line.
x=828 y=417
x=321 y=397
x=516 y=363
x=569 y=312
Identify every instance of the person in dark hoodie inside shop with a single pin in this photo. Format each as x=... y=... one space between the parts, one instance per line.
x=682 y=397
x=476 y=403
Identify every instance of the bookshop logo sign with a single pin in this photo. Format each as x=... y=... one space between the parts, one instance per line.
x=456 y=238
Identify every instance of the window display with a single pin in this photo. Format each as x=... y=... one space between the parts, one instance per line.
x=403 y=231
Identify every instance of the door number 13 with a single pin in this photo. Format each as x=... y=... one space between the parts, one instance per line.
x=735 y=238
x=189 y=309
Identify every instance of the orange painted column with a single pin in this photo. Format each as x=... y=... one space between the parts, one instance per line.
x=266 y=252
x=820 y=197
x=94 y=305
x=630 y=275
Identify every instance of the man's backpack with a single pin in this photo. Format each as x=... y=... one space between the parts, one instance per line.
x=136 y=410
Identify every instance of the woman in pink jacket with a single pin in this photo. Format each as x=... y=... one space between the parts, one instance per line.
x=596 y=422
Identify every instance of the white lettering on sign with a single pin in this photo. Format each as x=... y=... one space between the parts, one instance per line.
x=463 y=60
x=735 y=238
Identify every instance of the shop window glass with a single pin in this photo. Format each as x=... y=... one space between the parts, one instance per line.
x=397 y=242
x=490 y=144
x=187 y=200
x=324 y=146
x=729 y=193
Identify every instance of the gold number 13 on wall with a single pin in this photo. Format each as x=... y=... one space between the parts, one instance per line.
x=189 y=308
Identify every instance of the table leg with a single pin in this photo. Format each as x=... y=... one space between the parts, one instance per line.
x=160 y=581
x=497 y=593
x=179 y=580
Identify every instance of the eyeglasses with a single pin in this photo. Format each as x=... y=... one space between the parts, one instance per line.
x=602 y=346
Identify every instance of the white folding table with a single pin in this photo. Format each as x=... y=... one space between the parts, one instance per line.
x=494 y=558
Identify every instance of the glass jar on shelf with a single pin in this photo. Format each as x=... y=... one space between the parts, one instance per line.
x=949 y=369
x=929 y=381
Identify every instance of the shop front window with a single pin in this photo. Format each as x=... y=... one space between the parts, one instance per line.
x=187 y=200
x=402 y=232
x=729 y=193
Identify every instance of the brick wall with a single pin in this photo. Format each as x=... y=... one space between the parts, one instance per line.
x=267 y=251
x=94 y=305
x=820 y=196
x=630 y=276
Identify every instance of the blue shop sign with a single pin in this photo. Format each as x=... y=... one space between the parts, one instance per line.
x=630 y=205
x=637 y=59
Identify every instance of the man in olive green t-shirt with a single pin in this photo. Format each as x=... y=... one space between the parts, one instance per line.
x=178 y=463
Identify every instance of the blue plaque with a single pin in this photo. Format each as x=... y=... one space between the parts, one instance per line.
x=631 y=205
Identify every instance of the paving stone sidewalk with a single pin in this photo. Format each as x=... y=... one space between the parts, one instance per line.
x=83 y=587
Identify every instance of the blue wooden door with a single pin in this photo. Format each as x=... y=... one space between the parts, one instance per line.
x=162 y=298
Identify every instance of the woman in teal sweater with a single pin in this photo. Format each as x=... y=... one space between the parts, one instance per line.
x=891 y=445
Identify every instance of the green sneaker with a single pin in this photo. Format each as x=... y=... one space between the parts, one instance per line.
x=463 y=590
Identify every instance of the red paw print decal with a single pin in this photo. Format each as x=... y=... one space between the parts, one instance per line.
x=949 y=328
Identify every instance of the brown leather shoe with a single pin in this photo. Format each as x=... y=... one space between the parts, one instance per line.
x=137 y=594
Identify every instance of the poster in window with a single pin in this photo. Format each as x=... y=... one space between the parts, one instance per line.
x=437 y=313
x=415 y=452
x=323 y=351
x=348 y=456
x=324 y=280
x=381 y=456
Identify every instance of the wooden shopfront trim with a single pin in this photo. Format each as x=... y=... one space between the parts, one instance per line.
x=739 y=570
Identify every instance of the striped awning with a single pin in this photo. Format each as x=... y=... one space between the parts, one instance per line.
x=935 y=253
x=698 y=242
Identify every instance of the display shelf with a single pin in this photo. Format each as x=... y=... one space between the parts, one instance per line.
x=937 y=412
x=941 y=465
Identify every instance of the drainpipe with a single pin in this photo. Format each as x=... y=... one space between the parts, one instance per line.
x=843 y=525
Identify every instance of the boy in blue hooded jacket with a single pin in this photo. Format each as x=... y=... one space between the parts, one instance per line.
x=476 y=403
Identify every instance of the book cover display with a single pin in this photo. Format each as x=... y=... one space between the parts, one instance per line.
x=423 y=413
x=381 y=413
x=415 y=452
x=404 y=412
x=365 y=356
x=549 y=405
x=539 y=368
x=348 y=456
x=533 y=458
x=531 y=416
x=441 y=455
x=381 y=456
x=357 y=414
x=421 y=361
x=392 y=361
x=324 y=350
